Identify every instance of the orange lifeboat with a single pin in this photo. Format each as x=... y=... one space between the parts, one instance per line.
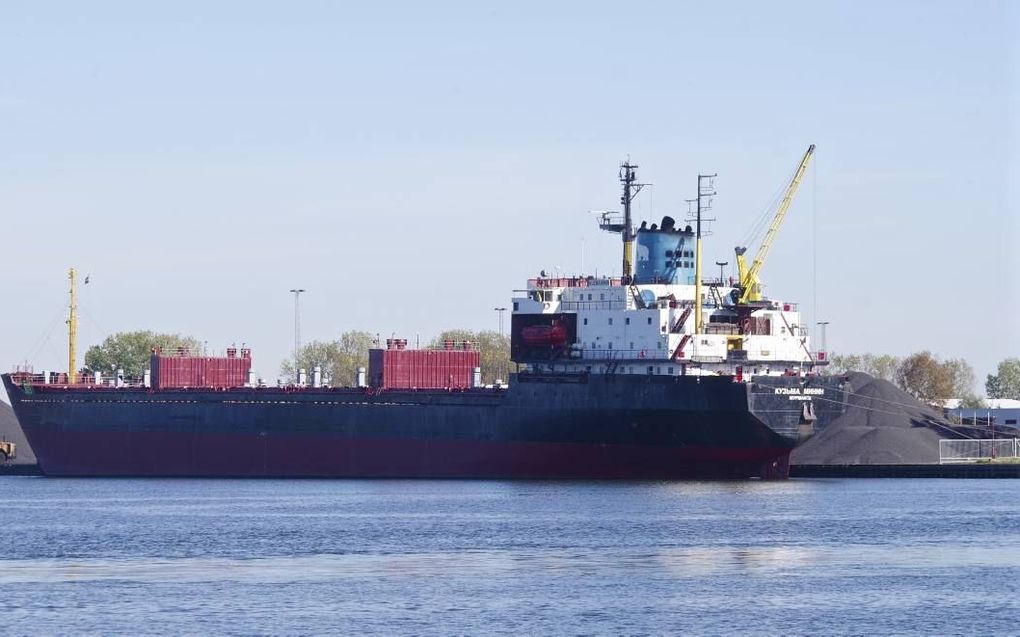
x=544 y=335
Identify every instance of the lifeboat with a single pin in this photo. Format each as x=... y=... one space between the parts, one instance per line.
x=544 y=335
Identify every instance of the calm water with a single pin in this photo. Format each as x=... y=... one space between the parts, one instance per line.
x=299 y=557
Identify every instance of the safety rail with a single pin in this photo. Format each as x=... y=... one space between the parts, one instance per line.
x=974 y=450
x=60 y=380
x=573 y=282
x=187 y=352
x=621 y=355
x=593 y=305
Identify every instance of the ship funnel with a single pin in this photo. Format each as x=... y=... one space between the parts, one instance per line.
x=317 y=377
x=665 y=255
x=302 y=377
x=360 y=379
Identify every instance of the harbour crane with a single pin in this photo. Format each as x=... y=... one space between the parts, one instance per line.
x=750 y=285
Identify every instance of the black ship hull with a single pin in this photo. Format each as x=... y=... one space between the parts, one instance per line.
x=576 y=427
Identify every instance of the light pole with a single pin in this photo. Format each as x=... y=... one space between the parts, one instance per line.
x=721 y=264
x=822 y=325
x=500 y=310
x=297 y=326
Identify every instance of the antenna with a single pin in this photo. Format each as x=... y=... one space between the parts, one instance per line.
x=297 y=326
x=703 y=203
x=611 y=222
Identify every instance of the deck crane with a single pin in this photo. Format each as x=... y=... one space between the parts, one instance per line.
x=750 y=285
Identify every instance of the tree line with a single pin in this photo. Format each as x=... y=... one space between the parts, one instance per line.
x=922 y=374
x=931 y=379
x=339 y=358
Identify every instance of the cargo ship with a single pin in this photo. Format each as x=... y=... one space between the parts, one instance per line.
x=659 y=373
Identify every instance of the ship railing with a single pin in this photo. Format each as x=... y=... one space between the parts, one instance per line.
x=84 y=379
x=593 y=305
x=572 y=282
x=979 y=450
x=620 y=355
x=202 y=352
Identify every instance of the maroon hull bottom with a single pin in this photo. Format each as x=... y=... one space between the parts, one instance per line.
x=230 y=455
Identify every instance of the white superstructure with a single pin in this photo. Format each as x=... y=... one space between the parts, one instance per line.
x=649 y=328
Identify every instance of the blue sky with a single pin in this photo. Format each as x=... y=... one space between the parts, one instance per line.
x=410 y=164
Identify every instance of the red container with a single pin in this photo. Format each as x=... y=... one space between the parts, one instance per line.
x=169 y=372
x=422 y=369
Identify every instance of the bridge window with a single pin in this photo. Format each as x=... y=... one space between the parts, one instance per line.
x=610 y=320
x=516 y=306
x=649 y=320
x=626 y=321
x=669 y=253
x=585 y=321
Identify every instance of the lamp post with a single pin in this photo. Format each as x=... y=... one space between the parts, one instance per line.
x=297 y=326
x=822 y=325
x=721 y=265
x=500 y=311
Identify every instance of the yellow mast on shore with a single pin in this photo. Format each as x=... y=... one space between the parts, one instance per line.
x=72 y=329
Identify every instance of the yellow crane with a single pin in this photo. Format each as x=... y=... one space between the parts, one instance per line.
x=749 y=283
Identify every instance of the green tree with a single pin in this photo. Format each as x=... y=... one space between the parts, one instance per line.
x=131 y=351
x=339 y=359
x=880 y=366
x=1005 y=383
x=843 y=363
x=962 y=375
x=923 y=376
x=971 y=400
x=493 y=347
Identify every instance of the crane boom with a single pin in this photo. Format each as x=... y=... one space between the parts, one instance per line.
x=749 y=279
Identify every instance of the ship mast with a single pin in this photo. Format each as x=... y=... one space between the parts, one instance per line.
x=706 y=190
x=611 y=222
x=628 y=175
x=72 y=329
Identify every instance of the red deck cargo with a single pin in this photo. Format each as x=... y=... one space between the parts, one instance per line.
x=179 y=369
x=399 y=368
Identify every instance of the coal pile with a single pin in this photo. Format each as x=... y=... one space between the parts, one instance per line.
x=11 y=430
x=882 y=425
